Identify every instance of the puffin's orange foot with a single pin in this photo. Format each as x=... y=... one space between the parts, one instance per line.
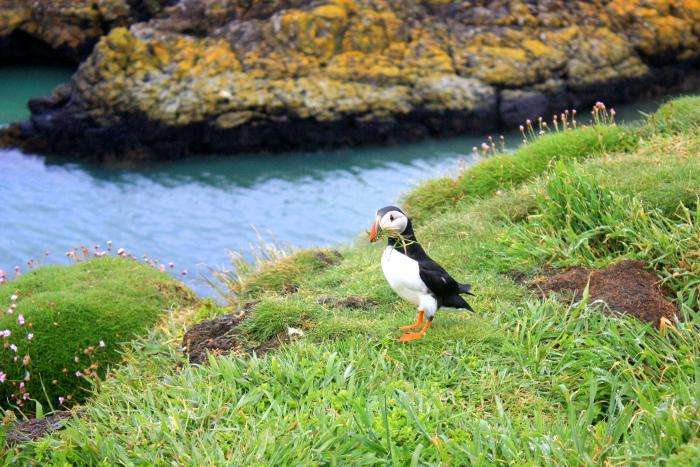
x=415 y=325
x=410 y=336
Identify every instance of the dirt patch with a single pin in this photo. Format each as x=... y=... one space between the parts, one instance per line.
x=626 y=287
x=328 y=257
x=34 y=428
x=217 y=336
x=353 y=302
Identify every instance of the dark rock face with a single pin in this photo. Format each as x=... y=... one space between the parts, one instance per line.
x=227 y=76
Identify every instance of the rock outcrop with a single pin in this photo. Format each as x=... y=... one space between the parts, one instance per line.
x=64 y=30
x=237 y=75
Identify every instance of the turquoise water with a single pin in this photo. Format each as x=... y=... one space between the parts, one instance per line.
x=19 y=84
x=192 y=212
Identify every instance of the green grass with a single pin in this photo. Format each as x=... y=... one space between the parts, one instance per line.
x=69 y=310
x=506 y=171
x=520 y=381
x=678 y=115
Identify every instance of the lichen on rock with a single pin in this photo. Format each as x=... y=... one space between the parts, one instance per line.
x=229 y=75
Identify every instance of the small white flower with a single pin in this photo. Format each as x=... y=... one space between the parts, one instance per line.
x=30 y=336
x=78 y=374
x=13 y=347
x=102 y=343
x=13 y=297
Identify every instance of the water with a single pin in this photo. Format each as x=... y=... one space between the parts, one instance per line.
x=192 y=212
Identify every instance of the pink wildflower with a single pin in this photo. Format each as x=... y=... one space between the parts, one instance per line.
x=26 y=360
x=3 y=377
x=78 y=374
x=61 y=400
x=6 y=333
x=102 y=343
x=183 y=272
x=171 y=264
x=13 y=297
x=162 y=268
x=13 y=347
x=20 y=320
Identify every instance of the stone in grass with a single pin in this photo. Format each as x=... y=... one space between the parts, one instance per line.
x=217 y=336
x=626 y=287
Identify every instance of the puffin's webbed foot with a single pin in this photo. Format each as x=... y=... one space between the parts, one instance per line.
x=411 y=336
x=415 y=325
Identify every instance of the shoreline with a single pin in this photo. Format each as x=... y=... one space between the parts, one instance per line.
x=136 y=138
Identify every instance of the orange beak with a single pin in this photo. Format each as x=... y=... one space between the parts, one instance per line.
x=373 y=232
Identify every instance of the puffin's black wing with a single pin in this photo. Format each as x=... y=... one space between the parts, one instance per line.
x=437 y=279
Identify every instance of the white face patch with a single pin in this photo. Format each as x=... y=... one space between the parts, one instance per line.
x=395 y=221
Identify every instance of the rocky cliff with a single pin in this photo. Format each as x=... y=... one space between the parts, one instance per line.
x=237 y=75
x=64 y=30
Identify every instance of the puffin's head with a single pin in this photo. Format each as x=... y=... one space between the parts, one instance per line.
x=389 y=218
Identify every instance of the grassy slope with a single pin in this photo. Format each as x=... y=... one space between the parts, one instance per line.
x=519 y=381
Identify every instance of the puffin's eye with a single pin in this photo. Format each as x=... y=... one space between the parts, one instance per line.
x=391 y=217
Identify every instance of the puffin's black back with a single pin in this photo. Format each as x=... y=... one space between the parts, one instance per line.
x=434 y=276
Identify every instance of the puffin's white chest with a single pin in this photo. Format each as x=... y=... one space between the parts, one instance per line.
x=404 y=278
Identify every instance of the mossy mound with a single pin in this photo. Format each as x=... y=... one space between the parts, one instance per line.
x=69 y=322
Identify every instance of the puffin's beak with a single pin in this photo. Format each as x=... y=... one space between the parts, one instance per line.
x=374 y=232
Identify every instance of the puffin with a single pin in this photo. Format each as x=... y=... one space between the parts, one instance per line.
x=412 y=274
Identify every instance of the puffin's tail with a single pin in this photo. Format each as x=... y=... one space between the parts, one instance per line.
x=466 y=288
x=455 y=301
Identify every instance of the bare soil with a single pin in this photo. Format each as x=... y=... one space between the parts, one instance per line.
x=34 y=428
x=353 y=302
x=626 y=287
x=217 y=336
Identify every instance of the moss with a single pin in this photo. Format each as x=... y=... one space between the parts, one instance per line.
x=69 y=310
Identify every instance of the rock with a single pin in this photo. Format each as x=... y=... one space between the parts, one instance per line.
x=226 y=76
x=517 y=106
x=625 y=287
x=59 y=30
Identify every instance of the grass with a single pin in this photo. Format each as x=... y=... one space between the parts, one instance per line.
x=521 y=381
x=506 y=171
x=76 y=317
